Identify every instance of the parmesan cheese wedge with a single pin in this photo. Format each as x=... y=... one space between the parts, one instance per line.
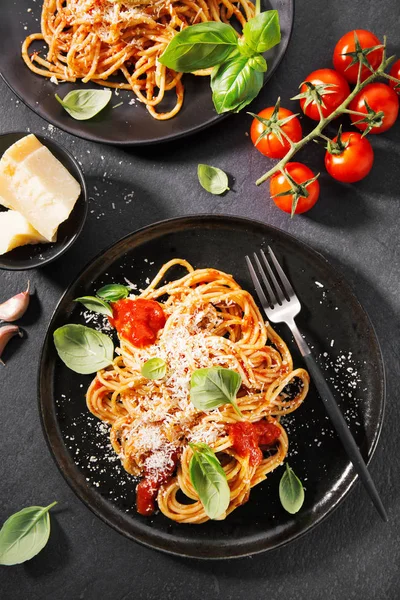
x=34 y=183
x=16 y=231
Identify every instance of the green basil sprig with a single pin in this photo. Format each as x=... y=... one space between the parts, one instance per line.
x=263 y=32
x=24 y=534
x=291 y=491
x=209 y=480
x=82 y=349
x=95 y=305
x=199 y=46
x=85 y=104
x=238 y=63
x=113 y=292
x=212 y=179
x=236 y=83
x=213 y=387
x=154 y=368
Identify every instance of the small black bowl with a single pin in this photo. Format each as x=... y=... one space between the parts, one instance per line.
x=37 y=255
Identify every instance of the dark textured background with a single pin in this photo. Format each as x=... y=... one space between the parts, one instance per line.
x=352 y=554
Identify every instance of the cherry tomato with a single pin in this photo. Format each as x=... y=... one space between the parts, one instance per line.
x=331 y=100
x=395 y=72
x=269 y=145
x=354 y=162
x=300 y=174
x=346 y=44
x=380 y=97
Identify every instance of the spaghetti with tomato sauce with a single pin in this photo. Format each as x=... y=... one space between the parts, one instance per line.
x=200 y=320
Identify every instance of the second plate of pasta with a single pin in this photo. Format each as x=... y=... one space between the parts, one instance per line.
x=50 y=47
x=127 y=450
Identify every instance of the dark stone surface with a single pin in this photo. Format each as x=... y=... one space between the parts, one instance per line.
x=351 y=555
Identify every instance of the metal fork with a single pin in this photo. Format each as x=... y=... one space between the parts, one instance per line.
x=281 y=305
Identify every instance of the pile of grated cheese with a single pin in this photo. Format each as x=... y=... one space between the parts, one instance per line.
x=165 y=417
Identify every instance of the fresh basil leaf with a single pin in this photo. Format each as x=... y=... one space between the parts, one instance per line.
x=85 y=104
x=24 y=534
x=244 y=48
x=209 y=480
x=154 y=368
x=213 y=387
x=95 y=305
x=258 y=63
x=263 y=31
x=235 y=84
x=113 y=292
x=82 y=349
x=199 y=47
x=212 y=179
x=291 y=491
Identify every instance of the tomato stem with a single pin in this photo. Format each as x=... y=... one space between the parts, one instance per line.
x=324 y=121
x=353 y=112
x=390 y=77
x=324 y=137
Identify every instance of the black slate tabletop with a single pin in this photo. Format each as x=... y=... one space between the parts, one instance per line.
x=350 y=555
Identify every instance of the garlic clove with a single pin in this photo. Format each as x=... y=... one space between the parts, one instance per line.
x=14 y=308
x=6 y=333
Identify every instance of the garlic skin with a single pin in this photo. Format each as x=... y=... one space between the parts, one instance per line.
x=13 y=308
x=6 y=333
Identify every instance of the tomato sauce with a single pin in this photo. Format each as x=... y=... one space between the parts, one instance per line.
x=248 y=437
x=147 y=490
x=138 y=321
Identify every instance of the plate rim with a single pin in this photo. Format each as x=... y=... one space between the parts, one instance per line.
x=166 y=138
x=97 y=510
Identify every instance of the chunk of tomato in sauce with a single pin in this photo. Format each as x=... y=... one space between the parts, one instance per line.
x=147 y=489
x=248 y=437
x=138 y=321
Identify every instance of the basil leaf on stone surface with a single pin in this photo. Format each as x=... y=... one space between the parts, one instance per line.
x=95 y=305
x=154 y=368
x=214 y=386
x=263 y=31
x=24 y=534
x=235 y=84
x=113 y=292
x=82 y=349
x=212 y=179
x=291 y=491
x=209 y=480
x=200 y=46
x=85 y=104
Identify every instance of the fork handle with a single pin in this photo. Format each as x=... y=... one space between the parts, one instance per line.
x=343 y=432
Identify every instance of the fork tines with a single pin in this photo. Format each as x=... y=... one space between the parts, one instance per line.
x=278 y=290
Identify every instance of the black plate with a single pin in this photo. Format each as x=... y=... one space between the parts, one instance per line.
x=37 y=255
x=354 y=363
x=126 y=125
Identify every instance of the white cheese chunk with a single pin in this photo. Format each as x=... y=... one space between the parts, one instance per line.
x=16 y=231
x=34 y=183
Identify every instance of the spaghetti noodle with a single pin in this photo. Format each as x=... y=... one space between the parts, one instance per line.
x=209 y=321
x=94 y=40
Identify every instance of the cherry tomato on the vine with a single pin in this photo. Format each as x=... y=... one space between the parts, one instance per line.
x=355 y=160
x=279 y=183
x=395 y=72
x=381 y=98
x=337 y=89
x=347 y=44
x=269 y=144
